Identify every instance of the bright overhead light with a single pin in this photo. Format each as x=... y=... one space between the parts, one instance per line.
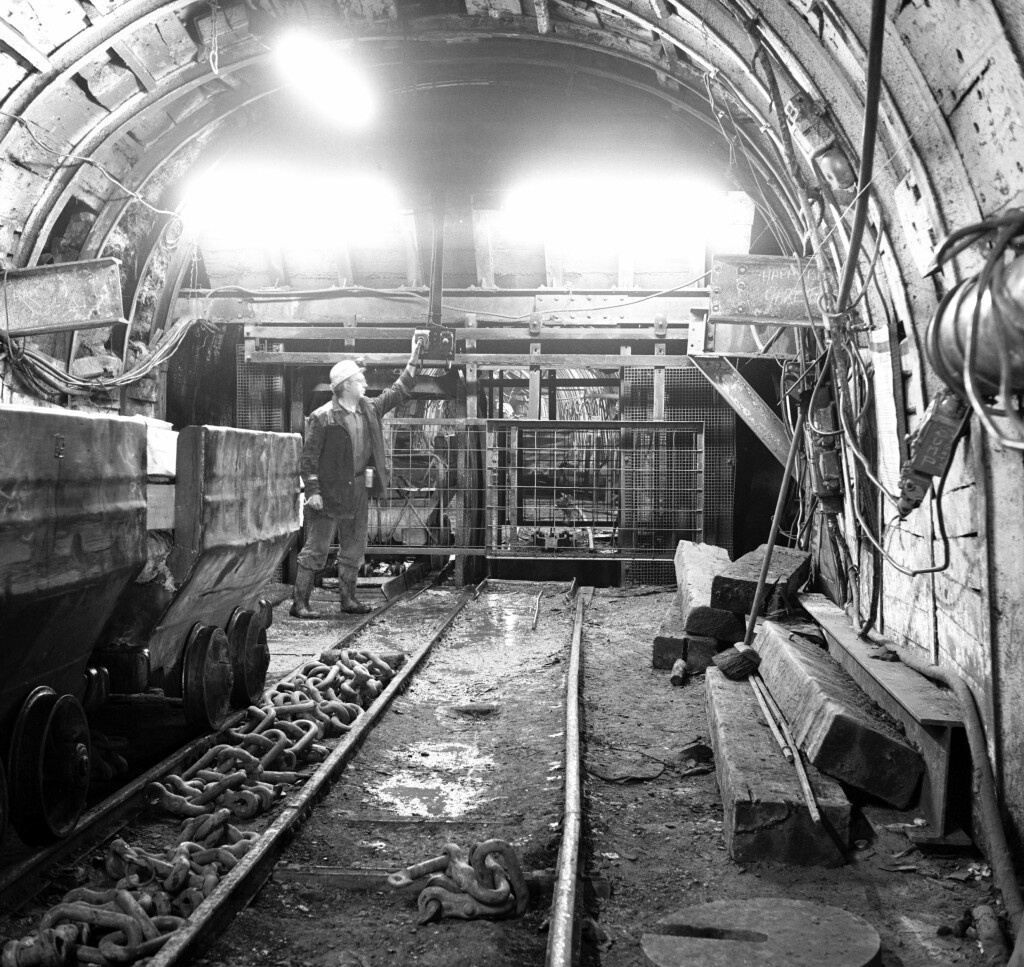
x=592 y=211
x=261 y=205
x=326 y=78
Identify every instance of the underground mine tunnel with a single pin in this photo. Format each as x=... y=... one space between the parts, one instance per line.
x=487 y=481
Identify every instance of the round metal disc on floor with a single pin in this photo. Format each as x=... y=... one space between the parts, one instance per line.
x=765 y=932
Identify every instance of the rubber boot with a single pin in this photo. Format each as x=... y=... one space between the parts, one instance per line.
x=300 y=596
x=350 y=604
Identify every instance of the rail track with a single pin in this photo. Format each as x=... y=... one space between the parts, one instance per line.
x=492 y=648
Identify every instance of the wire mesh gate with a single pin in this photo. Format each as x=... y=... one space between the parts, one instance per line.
x=627 y=490
x=435 y=502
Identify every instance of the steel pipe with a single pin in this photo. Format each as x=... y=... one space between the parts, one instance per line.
x=559 y=952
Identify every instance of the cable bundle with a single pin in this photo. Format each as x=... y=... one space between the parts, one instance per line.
x=38 y=373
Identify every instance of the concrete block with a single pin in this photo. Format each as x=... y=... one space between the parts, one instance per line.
x=842 y=731
x=696 y=566
x=733 y=587
x=766 y=817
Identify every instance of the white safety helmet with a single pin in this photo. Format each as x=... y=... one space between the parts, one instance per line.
x=342 y=371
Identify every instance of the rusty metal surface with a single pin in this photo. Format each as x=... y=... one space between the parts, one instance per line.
x=763 y=288
x=63 y=297
x=236 y=512
x=72 y=535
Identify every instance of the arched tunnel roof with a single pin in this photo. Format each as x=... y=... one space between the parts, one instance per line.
x=106 y=100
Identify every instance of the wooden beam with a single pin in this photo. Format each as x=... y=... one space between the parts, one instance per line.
x=481 y=360
x=533 y=407
x=543 y=16
x=483 y=248
x=95 y=10
x=23 y=47
x=553 y=262
x=626 y=267
x=148 y=82
x=659 y=386
x=472 y=385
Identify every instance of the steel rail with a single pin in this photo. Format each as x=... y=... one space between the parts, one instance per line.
x=238 y=888
x=560 y=936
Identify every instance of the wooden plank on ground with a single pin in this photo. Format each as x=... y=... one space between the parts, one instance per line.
x=842 y=731
x=886 y=682
x=766 y=816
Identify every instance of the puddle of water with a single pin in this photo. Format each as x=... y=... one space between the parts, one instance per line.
x=447 y=780
x=496 y=624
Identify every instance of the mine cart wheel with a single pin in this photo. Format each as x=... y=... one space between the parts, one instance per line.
x=97 y=687
x=250 y=657
x=4 y=811
x=207 y=679
x=49 y=766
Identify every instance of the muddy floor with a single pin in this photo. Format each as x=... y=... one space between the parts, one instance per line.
x=474 y=750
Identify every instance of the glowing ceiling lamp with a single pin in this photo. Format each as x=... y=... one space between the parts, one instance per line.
x=326 y=78
x=592 y=211
x=260 y=205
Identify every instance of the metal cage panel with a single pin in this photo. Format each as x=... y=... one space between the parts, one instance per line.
x=259 y=395
x=624 y=490
x=434 y=502
x=689 y=396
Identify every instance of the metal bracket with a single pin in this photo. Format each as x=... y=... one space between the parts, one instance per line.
x=753 y=410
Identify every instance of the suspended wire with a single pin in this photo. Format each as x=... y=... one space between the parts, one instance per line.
x=263 y=296
x=64 y=156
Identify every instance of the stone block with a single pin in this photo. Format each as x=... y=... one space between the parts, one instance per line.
x=696 y=566
x=766 y=817
x=733 y=587
x=669 y=642
x=844 y=733
x=715 y=623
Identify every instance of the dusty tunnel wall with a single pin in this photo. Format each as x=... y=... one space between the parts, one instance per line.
x=949 y=153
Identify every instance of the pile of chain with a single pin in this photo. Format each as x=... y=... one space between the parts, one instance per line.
x=152 y=895
x=485 y=881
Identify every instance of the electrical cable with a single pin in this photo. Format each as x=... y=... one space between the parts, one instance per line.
x=36 y=368
x=65 y=156
x=313 y=295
